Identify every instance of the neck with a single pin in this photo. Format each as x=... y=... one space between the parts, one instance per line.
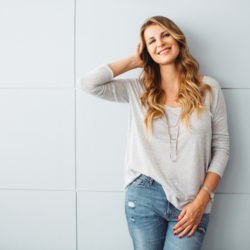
x=169 y=76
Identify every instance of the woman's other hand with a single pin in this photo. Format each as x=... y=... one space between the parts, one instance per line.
x=189 y=218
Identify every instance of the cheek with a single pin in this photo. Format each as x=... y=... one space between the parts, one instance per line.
x=177 y=50
x=151 y=51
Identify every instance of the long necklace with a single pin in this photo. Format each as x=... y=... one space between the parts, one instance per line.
x=173 y=141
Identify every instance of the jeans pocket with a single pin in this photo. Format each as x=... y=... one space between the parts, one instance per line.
x=142 y=181
x=202 y=227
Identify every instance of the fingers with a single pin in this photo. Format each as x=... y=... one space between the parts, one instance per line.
x=137 y=55
x=139 y=47
x=181 y=222
x=185 y=231
x=192 y=231
x=182 y=227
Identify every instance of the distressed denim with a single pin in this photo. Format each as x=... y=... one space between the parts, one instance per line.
x=151 y=218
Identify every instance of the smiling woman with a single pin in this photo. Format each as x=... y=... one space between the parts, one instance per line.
x=176 y=84
x=188 y=146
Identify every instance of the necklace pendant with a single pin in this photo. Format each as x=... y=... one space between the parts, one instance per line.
x=173 y=150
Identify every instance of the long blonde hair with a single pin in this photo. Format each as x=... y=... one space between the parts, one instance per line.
x=191 y=92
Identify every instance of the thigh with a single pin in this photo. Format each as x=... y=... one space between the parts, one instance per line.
x=146 y=227
x=173 y=242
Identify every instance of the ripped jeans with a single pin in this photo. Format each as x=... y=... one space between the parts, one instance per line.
x=151 y=218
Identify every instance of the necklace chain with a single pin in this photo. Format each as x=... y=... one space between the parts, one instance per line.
x=175 y=123
x=173 y=141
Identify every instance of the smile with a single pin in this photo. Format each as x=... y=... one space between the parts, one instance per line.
x=164 y=52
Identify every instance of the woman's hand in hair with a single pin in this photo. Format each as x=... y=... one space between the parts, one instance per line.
x=136 y=56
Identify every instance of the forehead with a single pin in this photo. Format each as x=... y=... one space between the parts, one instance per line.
x=153 y=30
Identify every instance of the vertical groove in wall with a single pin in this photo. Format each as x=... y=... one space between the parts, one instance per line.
x=75 y=121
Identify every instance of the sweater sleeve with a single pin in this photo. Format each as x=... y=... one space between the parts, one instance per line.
x=100 y=83
x=220 y=136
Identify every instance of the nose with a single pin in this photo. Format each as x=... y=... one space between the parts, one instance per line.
x=159 y=42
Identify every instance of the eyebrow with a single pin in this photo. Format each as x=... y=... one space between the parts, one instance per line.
x=153 y=37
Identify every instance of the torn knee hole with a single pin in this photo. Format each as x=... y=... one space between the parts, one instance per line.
x=131 y=204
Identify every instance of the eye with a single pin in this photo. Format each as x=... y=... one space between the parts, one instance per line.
x=166 y=34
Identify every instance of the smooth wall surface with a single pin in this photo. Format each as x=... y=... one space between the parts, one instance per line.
x=62 y=150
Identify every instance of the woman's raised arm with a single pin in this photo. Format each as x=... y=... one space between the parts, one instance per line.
x=99 y=81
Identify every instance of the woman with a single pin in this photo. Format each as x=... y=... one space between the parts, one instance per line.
x=170 y=174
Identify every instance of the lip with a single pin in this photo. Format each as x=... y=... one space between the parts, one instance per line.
x=163 y=49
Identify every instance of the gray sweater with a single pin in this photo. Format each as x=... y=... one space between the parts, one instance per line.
x=204 y=148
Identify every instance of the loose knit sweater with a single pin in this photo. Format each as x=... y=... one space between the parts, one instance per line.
x=204 y=148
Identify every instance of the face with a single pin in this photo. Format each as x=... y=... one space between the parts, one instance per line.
x=158 y=39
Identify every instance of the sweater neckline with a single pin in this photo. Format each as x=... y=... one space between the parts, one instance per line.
x=173 y=108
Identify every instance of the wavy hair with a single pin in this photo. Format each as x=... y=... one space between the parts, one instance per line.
x=191 y=91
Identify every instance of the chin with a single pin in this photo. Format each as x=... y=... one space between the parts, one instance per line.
x=169 y=61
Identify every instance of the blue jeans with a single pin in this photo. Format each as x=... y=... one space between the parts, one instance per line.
x=151 y=218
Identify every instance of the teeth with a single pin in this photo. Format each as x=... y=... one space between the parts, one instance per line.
x=164 y=51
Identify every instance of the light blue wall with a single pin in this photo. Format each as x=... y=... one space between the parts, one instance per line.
x=62 y=150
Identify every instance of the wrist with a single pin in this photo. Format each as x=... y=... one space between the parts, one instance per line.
x=134 y=63
x=202 y=198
